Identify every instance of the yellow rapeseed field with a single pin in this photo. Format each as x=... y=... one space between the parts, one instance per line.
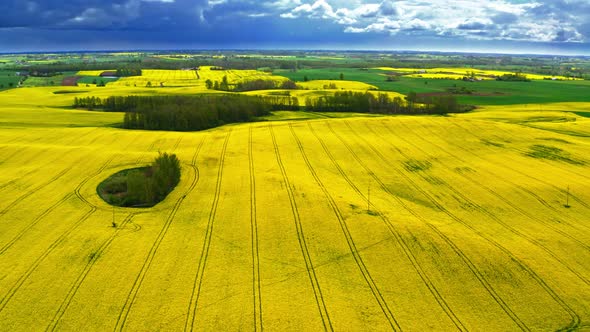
x=386 y=223
x=459 y=72
x=335 y=84
x=185 y=78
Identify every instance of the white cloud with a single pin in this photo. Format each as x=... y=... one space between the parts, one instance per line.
x=532 y=20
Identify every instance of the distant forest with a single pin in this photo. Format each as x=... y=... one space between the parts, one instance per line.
x=191 y=113
x=187 y=113
x=382 y=103
x=361 y=60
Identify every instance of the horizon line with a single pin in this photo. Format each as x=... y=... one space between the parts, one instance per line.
x=222 y=49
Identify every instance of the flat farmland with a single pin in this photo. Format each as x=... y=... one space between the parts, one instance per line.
x=185 y=78
x=387 y=223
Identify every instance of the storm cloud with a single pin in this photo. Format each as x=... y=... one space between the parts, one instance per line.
x=291 y=24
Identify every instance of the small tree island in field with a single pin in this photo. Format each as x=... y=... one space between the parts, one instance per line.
x=144 y=186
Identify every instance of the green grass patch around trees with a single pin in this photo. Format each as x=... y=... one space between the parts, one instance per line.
x=144 y=186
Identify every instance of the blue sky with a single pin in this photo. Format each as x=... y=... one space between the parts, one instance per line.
x=501 y=26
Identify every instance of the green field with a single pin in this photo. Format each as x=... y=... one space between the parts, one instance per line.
x=96 y=80
x=47 y=81
x=8 y=80
x=485 y=92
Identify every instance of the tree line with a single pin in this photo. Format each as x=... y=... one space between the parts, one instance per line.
x=191 y=113
x=187 y=113
x=366 y=102
x=516 y=77
x=251 y=85
x=126 y=72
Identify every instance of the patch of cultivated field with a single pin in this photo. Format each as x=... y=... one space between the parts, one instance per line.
x=185 y=78
x=403 y=223
x=335 y=84
x=441 y=72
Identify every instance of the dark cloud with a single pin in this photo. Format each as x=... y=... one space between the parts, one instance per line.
x=504 y=18
x=127 y=24
x=107 y=14
x=567 y=12
x=31 y=13
x=472 y=26
x=387 y=8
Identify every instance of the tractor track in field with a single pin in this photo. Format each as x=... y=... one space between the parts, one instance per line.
x=537 y=197
x=397 y=236
x=468 y=263
x=256 y=291
x=53 y=325
x=561 y=190
x=77 y=139
x=319 y=298
x=149 y=149
x=153 y=146
x=34 y=222
x=91 y=143
x=21 y=176
x=509 y=134
x=57 y=242
x=34 y=190
x=79 y=187
x=132 y=295
x=377 y=294
x=4 y=301
x=19 y=151
x=508 y=202
x=4 y=185
x=482 y=210
x=575 y=322
x=14 y=153
x=177 y=143
x=12 y=140
x=199 y=274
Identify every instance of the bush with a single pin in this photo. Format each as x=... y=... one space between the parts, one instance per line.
x=142 y=187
